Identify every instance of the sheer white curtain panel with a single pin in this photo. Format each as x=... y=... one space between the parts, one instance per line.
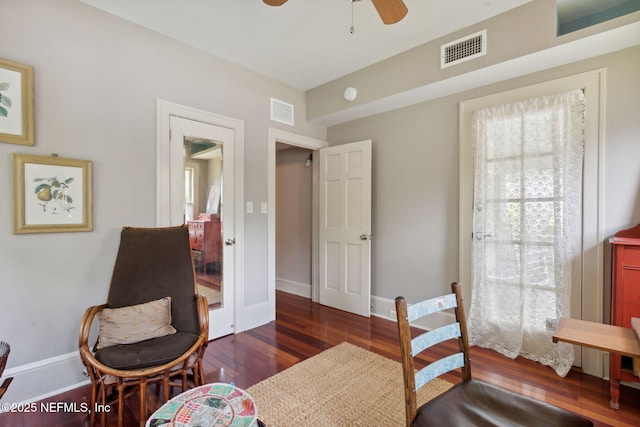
x=528 y=158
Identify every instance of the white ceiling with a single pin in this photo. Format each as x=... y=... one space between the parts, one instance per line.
x=304 y=43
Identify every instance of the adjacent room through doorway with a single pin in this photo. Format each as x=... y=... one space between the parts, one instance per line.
x=294 y=180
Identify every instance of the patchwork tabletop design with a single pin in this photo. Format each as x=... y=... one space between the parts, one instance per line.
x=210 y=405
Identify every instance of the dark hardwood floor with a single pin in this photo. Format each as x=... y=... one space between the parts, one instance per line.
x=304 y=329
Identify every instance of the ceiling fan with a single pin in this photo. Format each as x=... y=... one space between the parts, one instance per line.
x=391 y=11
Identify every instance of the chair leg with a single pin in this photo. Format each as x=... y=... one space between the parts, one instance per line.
x=143 y=401
x=166 y=387
x=103 y=398
x=198 y=375
x=120 y=403
x=92 y=401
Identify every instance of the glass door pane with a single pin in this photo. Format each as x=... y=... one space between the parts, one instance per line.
x=203 y=214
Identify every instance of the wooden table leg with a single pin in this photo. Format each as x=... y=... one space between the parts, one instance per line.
x=614 y=394
x=614 y=381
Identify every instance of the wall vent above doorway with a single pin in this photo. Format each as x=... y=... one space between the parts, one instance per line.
x=281 y=112
x=464 y=49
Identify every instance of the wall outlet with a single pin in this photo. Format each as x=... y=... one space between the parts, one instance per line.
x=392 y=314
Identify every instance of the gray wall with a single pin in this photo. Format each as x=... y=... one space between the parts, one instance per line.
x=97 y=79
x=415 y=178
x=293 y=217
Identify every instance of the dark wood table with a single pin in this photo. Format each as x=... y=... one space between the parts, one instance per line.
x=610 y=338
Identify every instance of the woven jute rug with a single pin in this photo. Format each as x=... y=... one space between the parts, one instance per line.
x=343 y=386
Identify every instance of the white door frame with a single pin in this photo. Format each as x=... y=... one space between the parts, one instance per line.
x=275 y=136
x=593 y=202
x=164 y=110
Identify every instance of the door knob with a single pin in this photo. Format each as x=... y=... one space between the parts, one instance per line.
x=365 y=237
x=230 y=242
x=479 y=235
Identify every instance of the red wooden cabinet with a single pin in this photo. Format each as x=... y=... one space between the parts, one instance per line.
x=206 y=245
x=625 y=300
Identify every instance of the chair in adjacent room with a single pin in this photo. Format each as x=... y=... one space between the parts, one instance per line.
x=154 y=326
x=5 y=349
x=469 y=402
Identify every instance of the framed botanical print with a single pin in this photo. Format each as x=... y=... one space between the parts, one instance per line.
x=51 y=194
x=16 y=103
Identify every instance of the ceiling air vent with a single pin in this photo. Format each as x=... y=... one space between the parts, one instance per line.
x=281 y=112
x=463 y=49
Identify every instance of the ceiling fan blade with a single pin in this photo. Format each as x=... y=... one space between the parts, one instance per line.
x=275 y=2
x=391 y=11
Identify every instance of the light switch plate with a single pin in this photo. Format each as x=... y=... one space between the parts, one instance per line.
x=263 y=207
x=249 y=207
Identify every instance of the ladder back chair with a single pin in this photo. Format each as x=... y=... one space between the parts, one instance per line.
x=469 y=402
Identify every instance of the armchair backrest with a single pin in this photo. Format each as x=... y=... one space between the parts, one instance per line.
x=154 y=263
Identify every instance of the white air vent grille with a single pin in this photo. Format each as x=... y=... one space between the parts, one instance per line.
x=281 y=112
x=463 y=49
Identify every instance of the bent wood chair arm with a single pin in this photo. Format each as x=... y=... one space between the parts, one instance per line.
x=99 y=372
x=87 y=355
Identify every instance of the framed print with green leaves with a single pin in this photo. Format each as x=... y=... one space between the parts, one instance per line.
x=51 y=194
x=16 y=103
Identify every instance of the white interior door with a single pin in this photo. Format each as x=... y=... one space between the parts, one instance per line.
x=345 y=227
x=221 y=316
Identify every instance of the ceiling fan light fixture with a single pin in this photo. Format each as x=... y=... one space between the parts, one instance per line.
x=390 y=11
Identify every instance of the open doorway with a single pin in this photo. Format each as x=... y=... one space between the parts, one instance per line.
x=276 y=137
x=293 y=241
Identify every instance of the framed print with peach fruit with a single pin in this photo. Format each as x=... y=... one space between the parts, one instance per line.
x=51 y=194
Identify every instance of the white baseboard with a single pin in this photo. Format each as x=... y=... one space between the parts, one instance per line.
x=44 y=378
x=257 y=315
x=292 y=287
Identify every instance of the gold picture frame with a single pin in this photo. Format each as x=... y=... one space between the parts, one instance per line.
x=51 y=194
x=16 y=103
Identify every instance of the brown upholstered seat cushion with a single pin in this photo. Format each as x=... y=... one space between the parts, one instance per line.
x=144 y=354
x=475 y=403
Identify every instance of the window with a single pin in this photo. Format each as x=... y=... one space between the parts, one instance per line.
x=189 y=193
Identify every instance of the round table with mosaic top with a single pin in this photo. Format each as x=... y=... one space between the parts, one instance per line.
x=210 y=405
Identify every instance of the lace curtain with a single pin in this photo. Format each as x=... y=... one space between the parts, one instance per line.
x=527 y=224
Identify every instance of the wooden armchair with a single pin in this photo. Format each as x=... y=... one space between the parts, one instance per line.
x=5 y=349
x=140 y=341
x=470 y=402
